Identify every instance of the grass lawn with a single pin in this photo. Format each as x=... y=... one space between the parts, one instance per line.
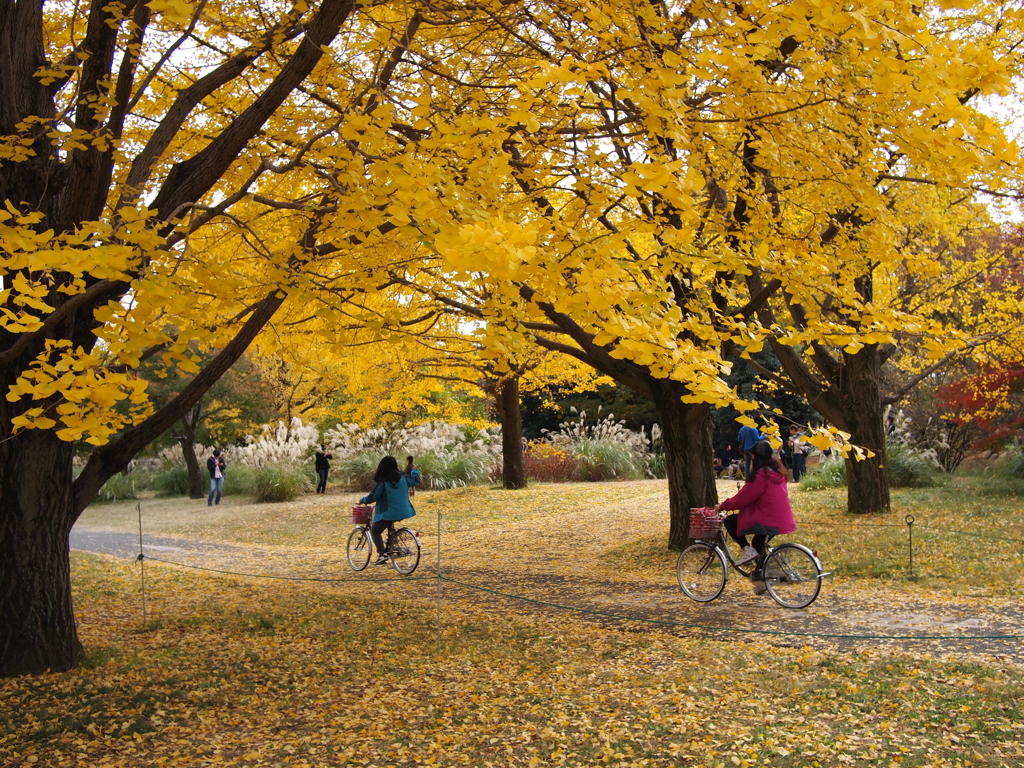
x=258 y=672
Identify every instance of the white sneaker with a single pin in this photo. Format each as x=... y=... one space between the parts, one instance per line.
x=747 y=555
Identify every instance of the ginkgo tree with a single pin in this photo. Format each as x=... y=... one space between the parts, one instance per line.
x=648 y=189
x=133 y=136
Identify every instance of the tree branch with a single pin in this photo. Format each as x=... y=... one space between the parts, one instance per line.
x=110 y=459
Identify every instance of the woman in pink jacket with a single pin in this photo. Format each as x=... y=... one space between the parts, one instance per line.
x=763 y=505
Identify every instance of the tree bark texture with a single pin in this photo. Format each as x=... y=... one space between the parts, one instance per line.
x=867 y=480
x=513 y=458
x=686 y=431
x=37 y=621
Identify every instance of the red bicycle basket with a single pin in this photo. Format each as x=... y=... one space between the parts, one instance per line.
x=704 y=523
x=361 y=515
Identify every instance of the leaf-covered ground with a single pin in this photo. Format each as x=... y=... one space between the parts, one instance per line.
x=245 y=671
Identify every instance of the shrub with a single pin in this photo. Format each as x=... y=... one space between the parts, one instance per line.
x=907 y=468
x=277 y=446
x=239 y=480
x=654 y=466
x=605 y=450
x=357 y=469
x=547 y=464
x=831 y=474
x=172 y=481
x=605 y=460
x=1011 y=463
x=452 y=469
x=282 y=483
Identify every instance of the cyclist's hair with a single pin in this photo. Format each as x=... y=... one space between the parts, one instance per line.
x=762 y=458
x=387 y=470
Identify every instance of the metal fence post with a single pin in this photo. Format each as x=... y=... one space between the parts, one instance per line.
x=142 y=565
x=909 y=520
x=438 y=582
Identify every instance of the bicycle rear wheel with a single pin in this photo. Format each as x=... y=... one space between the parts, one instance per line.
x=700 y=570
x=791 y=574
x=404 y=551
x=359 y=548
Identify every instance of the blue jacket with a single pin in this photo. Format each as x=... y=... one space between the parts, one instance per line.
x=748 y=438
x=392 y=499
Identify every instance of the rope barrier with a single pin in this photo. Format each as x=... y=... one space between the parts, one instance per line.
x=604 y=614
x=919 y=527
x=971 y=533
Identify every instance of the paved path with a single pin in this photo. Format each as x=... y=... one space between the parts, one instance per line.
x=126 y=545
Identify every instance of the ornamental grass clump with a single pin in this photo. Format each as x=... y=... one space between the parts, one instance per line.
x=604 y=450
x=172 y=481
x=171 y=474
x=447 y=455
x=276 y=466
x=909 y=467
x=122 y=487
x=283 y=483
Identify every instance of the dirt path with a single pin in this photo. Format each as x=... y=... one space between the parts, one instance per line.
x=529 y=565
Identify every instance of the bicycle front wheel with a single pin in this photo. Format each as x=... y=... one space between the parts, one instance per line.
x=359 y=548
x=701 y=572
x=404 y=551
x=792 y=575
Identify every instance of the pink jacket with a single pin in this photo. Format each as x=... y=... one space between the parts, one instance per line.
x=763 y=500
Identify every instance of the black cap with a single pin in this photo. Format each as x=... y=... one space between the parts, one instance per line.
x=762 y=449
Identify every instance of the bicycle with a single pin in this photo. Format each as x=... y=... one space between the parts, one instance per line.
x=791 y=573
x=402 y=546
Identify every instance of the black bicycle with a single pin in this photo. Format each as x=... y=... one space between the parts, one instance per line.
x=401 y=546
x=791 y=573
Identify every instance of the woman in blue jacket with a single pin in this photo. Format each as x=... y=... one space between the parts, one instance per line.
x=391 y=494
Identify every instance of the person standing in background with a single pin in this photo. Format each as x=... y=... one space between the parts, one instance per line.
x=322 y=467
x=748 y=437
x=797 y=452
x=216 y=466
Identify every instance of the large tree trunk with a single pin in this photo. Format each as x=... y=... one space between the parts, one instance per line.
x=506 y=398
x=37 y=623
x=867 y=480
x=686 y=430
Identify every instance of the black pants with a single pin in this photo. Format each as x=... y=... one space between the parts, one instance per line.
x=730 y=523
x=376 y=529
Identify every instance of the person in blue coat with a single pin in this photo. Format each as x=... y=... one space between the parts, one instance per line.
x=391 y=495
x=748 y=437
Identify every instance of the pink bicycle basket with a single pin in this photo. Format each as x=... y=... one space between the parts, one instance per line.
x=704 y=523
x=361 y=515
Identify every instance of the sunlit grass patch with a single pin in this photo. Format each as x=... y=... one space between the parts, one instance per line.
x=470 y=507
